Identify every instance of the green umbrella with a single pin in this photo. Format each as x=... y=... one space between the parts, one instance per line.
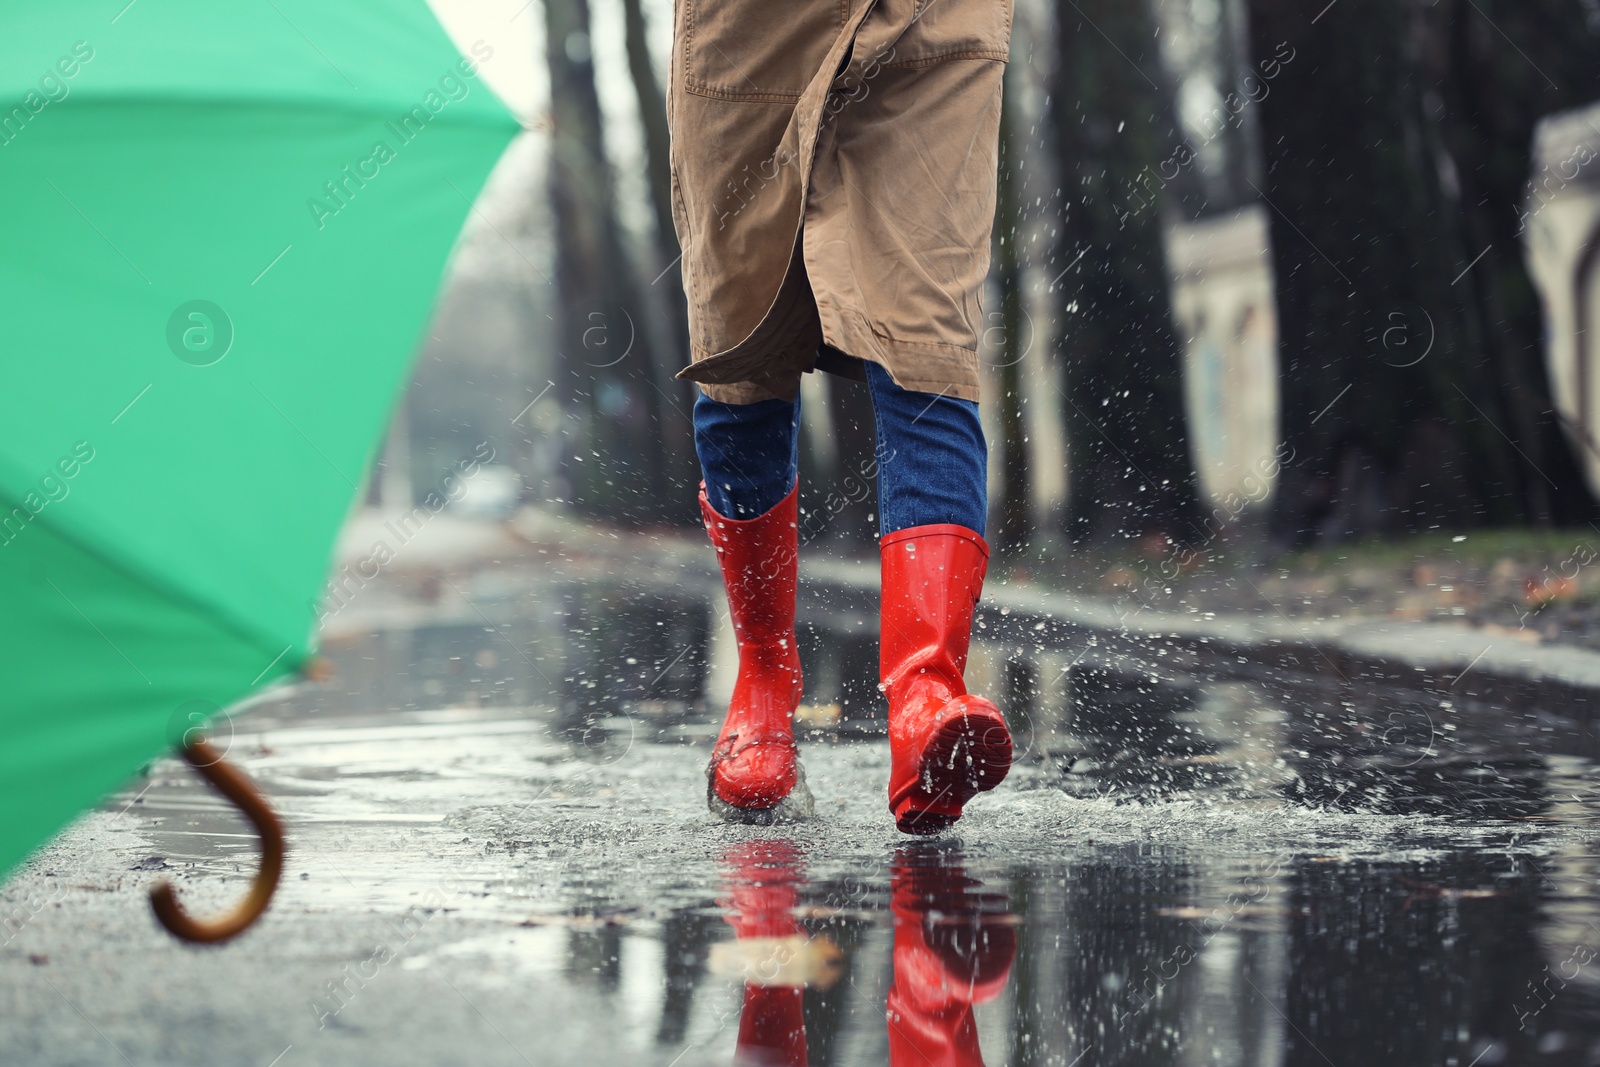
x=225 y=224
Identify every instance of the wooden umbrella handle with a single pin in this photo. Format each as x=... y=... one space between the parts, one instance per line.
x=231 y=783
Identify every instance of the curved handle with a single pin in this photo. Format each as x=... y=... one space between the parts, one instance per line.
x=231 y=783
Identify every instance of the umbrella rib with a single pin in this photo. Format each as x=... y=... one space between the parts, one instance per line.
x=97 y=630
x=218 y=614
x=242 y=628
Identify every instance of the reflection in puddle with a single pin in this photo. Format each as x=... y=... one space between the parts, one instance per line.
x=763 y=879
x=772 y=949
x=954 y=945
x=1180 y=871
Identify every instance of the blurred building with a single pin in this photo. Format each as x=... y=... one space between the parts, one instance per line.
x=1223 y=298
x=1561 y=240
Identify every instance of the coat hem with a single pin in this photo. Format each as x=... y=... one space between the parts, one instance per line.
x=946 y=370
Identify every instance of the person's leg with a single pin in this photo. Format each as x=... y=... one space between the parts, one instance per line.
x=933 y=462
x=749 y=500
x=945 y=745
x=749 y=453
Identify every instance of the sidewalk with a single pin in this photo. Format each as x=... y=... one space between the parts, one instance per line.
x=1556 y=685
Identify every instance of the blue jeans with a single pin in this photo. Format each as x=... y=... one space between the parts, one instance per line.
x=931 y=457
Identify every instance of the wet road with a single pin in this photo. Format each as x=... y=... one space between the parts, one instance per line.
x=501 y=855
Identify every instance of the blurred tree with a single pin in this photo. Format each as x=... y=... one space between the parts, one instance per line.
x=1204 y=48
x=608 y=377
x=667 y=288
x=1128 y=448
x=1396 y=136
x=1500 y=67
x=658 y=163
x=1012 y=509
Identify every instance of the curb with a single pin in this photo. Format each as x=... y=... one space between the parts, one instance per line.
x=1548 y=689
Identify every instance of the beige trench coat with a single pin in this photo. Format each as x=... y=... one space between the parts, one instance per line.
x=833 y=172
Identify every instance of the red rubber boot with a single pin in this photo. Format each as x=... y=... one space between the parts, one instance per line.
x=951 y=951
x=764 y=877
x=754 y=774
x=945 y=745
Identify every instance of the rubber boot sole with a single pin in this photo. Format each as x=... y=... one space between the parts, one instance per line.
x=968 y=755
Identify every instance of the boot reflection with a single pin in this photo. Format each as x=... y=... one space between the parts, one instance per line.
x=953 y=948
x=772 y=952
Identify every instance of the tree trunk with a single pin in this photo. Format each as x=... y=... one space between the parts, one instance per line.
x=1128 y=453
x=1541 y=56
x=607 y=377
x=1013 y=512
x=653 y=118
x=667 y=285
x=1412 y=379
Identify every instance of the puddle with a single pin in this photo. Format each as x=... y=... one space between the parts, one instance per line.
x=1177 y=871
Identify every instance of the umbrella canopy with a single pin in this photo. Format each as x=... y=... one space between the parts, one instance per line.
x=225 y=225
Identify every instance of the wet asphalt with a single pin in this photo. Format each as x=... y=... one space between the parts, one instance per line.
x=501 y=854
